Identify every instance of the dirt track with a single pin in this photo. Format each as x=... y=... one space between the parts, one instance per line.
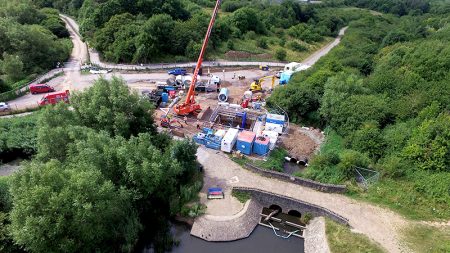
x=379 y=224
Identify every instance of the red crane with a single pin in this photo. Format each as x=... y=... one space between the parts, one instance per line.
x=190 y=106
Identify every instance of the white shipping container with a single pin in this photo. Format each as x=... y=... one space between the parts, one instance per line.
x=274 y=127
x=258 y=128
x=220 y=133
x=275 y=117
x=229 y=140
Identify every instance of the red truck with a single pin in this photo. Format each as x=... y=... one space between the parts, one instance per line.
x=54 y=98
x=40 y=88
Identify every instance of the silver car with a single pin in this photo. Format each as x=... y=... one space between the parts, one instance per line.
x=4 y=107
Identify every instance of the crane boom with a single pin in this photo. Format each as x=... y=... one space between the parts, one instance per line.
x=188 y=106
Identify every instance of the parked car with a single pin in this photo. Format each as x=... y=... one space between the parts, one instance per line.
x=177 y=72
x=4 y=107
x=40 y=88
x=54 y=98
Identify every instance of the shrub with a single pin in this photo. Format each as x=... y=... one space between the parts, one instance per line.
x=262 y=43
x=281 y=54
x=297 y=46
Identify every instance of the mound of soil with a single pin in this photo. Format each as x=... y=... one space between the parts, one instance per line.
x=302 y=143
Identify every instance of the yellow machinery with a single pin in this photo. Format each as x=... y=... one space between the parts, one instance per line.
x=257 y=84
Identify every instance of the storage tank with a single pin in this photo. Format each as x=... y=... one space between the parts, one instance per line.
x=229 y=140
x=261 y=146
x=245 y=142
x=223 y=95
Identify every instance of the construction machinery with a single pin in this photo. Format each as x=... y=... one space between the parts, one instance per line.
x=190 y=106
x=256 y=85
x=166 y=121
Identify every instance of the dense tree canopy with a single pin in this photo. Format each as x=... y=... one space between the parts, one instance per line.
x=100 y=171
x=152 y=31
x=31 y=40
x=384 y=96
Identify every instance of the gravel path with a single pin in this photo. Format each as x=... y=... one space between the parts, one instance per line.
x=379 y=224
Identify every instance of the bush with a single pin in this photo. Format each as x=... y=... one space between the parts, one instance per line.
x=230 y=44
x=294 y=45
x=262 y=43
x=280 y=54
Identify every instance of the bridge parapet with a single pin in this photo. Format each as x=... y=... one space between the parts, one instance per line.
x=298 y=180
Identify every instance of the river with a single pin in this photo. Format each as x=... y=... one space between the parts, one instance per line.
x=262 y=240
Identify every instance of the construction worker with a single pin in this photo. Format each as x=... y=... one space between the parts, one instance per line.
x=198 y=124
x=185 y=120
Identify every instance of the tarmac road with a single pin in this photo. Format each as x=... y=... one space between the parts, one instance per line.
x=74 y=80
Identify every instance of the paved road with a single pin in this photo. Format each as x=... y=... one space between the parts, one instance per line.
x=74 y=80
x=95 y=57
x=379 y=224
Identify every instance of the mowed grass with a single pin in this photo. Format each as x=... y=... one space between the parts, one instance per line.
x=427 y=239
x=342 y=240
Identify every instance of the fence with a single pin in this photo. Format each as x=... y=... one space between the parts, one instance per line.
x=23 y=89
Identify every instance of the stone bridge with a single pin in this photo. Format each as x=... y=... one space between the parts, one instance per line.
x=289 y=205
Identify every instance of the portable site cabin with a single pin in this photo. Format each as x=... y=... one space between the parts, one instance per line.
x=275 y=119
x=229 y=140
x=274 y=127
x=245 y=142
x=258 y=127
x=261 y=146
x=285 y=77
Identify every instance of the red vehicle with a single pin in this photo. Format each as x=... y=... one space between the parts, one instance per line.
x=54 y=98
x=41 y=88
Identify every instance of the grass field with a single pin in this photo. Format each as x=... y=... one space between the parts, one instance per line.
x=342 y=240
x=427 y=239
x=249 y=45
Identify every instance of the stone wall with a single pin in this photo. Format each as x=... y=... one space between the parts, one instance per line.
x=315 y=237
x=286 y=203
x=332 y=188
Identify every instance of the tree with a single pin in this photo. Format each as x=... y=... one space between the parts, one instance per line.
x=12 y=67
x=262 y=43
x=54 y=212
x=154 y=32
x=429 y=146
x=280 y=54
x=109 y=106
x=247 y=19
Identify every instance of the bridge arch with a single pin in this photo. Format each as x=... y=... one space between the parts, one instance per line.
x=295 y=213
x=276 y=207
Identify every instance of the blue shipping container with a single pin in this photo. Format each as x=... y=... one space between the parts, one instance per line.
x=260 y=148
x=244 y=147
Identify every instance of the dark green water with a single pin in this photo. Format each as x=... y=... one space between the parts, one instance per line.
x=262 y=240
